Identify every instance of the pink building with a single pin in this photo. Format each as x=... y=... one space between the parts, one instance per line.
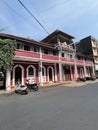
x=51 y=60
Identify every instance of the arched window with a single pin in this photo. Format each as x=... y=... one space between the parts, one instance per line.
x=31 y=71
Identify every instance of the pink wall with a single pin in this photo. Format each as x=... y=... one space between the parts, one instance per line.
x=73 y=73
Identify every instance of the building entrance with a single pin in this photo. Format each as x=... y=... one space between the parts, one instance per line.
x=18 y=75
x=50 y=74
x=67 y=74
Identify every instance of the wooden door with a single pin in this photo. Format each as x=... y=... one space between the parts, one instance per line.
x=67 y=75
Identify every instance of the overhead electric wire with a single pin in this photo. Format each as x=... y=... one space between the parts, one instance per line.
x=40 y=17
x=33 y=16
x=12 y=9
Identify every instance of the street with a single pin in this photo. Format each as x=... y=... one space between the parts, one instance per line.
x=56 y=108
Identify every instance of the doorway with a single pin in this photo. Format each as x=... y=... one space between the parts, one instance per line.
x=67 y=74
x=50 y=74
x=18 y=75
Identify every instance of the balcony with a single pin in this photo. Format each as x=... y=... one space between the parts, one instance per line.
x=50 y=57
x=67 y=60
x=26 y=54
x=81 y=62
x=34 y=55
x=88 y=63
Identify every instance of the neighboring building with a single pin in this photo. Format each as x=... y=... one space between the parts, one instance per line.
x=49 y=61
x=89 y=47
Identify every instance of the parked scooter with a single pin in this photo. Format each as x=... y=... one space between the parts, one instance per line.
x=21 y=89
x=32 y=85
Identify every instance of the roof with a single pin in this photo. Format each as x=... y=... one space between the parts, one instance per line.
x=90 y=38
x=27 y=40
x=52 y=38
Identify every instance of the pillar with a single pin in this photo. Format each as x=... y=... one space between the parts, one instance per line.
x=8 y=79
x=55 y=72
x=40 y=69
x=76 y=72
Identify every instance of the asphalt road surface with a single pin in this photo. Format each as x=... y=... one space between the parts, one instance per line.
x=61 y=108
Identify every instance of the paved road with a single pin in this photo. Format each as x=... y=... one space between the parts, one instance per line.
x=61 y=108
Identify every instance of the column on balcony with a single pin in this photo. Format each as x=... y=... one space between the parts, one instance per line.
x=8 y=79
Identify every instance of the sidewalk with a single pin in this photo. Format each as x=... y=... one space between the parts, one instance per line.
x=64 y=84
x=77 y=84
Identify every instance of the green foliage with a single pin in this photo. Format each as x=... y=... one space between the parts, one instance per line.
x=7 y=52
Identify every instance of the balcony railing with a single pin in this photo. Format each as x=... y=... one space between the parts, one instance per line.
x=88 y=62
x=67 y=60
x=79 y=61
x=50 y=57
x=35 y=55
x=22 y=53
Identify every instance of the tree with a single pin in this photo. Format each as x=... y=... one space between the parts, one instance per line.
x=7 y=52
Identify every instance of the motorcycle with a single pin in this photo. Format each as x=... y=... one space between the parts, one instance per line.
x=21 y=89
x=32 y=85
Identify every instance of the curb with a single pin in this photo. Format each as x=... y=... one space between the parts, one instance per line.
x=68 y=84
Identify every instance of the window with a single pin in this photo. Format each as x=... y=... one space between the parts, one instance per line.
x=27 y=48
x=55 y=53
x=31 y=48
x=62 y=54
x=30 y=71
x=36 y=49
x=71 y=56
x=45 y=51
x=18 y=46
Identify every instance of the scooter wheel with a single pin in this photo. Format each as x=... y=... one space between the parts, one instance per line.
x=24 y=92
x=16 y=91
x=36 y=89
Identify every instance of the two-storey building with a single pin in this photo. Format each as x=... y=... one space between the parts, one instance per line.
x=49 y=61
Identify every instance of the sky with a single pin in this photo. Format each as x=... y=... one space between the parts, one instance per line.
x=78 y=18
